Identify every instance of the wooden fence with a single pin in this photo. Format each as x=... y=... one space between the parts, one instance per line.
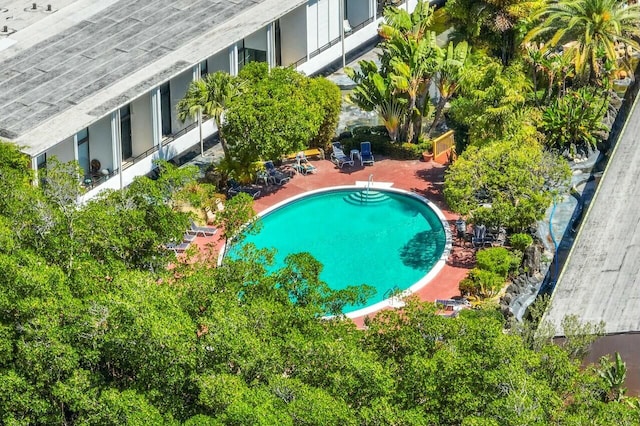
x=443 y=147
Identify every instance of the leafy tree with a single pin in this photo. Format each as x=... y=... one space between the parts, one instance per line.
x=574 y=121
x=282 y=112
x=492 y=24
x=237 y=213
x=614 y=374
x=409 y=59
x=504 y=183
x=328 y=96
x=211 y=96
x=592 y=29
x=448 y=79
x=492 y=102
x=375 y=93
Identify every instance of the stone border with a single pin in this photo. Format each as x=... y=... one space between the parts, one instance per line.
x=395 y=301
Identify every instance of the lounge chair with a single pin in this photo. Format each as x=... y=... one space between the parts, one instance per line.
x=205 y=231
x=188 y=238
x=235 y=188
x=479 y=236
x=339 y=157
x=366 y=157
x=276 y=176
x=178 y=248
x=302 y=165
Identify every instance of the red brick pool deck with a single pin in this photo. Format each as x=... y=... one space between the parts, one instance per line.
x=422 y=178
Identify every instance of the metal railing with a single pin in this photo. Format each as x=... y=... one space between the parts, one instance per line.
x=325 y=47
x=170 y=138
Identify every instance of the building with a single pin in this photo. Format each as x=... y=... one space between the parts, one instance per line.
x=98 y=82
x=600 y=280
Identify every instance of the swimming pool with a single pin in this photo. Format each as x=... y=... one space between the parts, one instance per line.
x=390 y=239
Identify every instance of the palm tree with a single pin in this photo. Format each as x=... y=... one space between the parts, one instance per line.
x=210 y=96
x=592 y=28
x=448 y=78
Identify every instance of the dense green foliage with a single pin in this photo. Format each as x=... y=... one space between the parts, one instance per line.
x=281 y=111
x=505 y=183
x=575 y=120
x=210 y=97
x=95 y=330
x=492 y=25
x=409 y=59
x=592 y=29
x=520 y=242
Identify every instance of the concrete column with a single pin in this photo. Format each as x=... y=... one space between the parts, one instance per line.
x=271 y=45
x=196 y=76
x=34 y=167
x=116 y=143
x=156 y=117
x=344 y=57
x=233 y=59
x=75 y=147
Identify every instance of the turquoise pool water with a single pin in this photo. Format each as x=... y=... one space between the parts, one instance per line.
x=387 y=240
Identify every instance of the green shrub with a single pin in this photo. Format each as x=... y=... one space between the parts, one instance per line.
x=497 y=260
x=329 y=97
x=482 y=284
x=521 y=241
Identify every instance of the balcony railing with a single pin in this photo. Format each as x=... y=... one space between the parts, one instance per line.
x=167 y=140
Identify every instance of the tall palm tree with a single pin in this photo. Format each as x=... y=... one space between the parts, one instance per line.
x=210 y=96
x=591 y=28
x=448 y=78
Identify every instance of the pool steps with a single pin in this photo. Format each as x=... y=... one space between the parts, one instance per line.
x=366 y=197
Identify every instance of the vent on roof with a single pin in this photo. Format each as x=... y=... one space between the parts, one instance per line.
x=5 y=30
x=35 y=7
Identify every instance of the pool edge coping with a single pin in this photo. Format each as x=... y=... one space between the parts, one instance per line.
x=394 y=301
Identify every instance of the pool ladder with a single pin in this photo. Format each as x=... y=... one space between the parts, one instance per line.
x=369 y=185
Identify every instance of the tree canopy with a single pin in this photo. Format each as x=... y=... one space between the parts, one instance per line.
x=281 y=111
x=115 y=337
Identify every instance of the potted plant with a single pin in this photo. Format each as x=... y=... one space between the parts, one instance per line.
x=426 y=145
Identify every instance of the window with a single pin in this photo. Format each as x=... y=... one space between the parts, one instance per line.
x=246 y=55
x=204 y=68
x=165 y=108
x=125 y=132
x=83 y=150
x=41 y=161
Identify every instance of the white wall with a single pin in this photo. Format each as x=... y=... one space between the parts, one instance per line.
x=178 y=88
x=312 y=26
x=100 y=145
x=63 y=151
x=141 y=124
x=293 y=36
x=219 y=62
x=334 y=53
x=257 y=40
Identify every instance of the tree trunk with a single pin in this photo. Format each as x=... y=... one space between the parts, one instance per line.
x=409 y=124
x=223 y=142
x=438 y=116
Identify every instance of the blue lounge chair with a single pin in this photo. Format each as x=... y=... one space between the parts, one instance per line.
x=302 y=165
x=339 y=157
x=480 y=237
x=366 y=157
x=205 y=231
x=275 y=175
x=235 y=188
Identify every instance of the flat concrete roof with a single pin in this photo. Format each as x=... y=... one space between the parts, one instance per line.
x=601 y=279
x=63 y=70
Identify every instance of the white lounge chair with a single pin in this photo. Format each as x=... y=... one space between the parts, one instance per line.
x=205 y=231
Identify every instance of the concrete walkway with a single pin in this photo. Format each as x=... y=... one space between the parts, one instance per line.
x=422 y=178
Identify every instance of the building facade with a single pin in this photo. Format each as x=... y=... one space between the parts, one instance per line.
x=98 y=82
